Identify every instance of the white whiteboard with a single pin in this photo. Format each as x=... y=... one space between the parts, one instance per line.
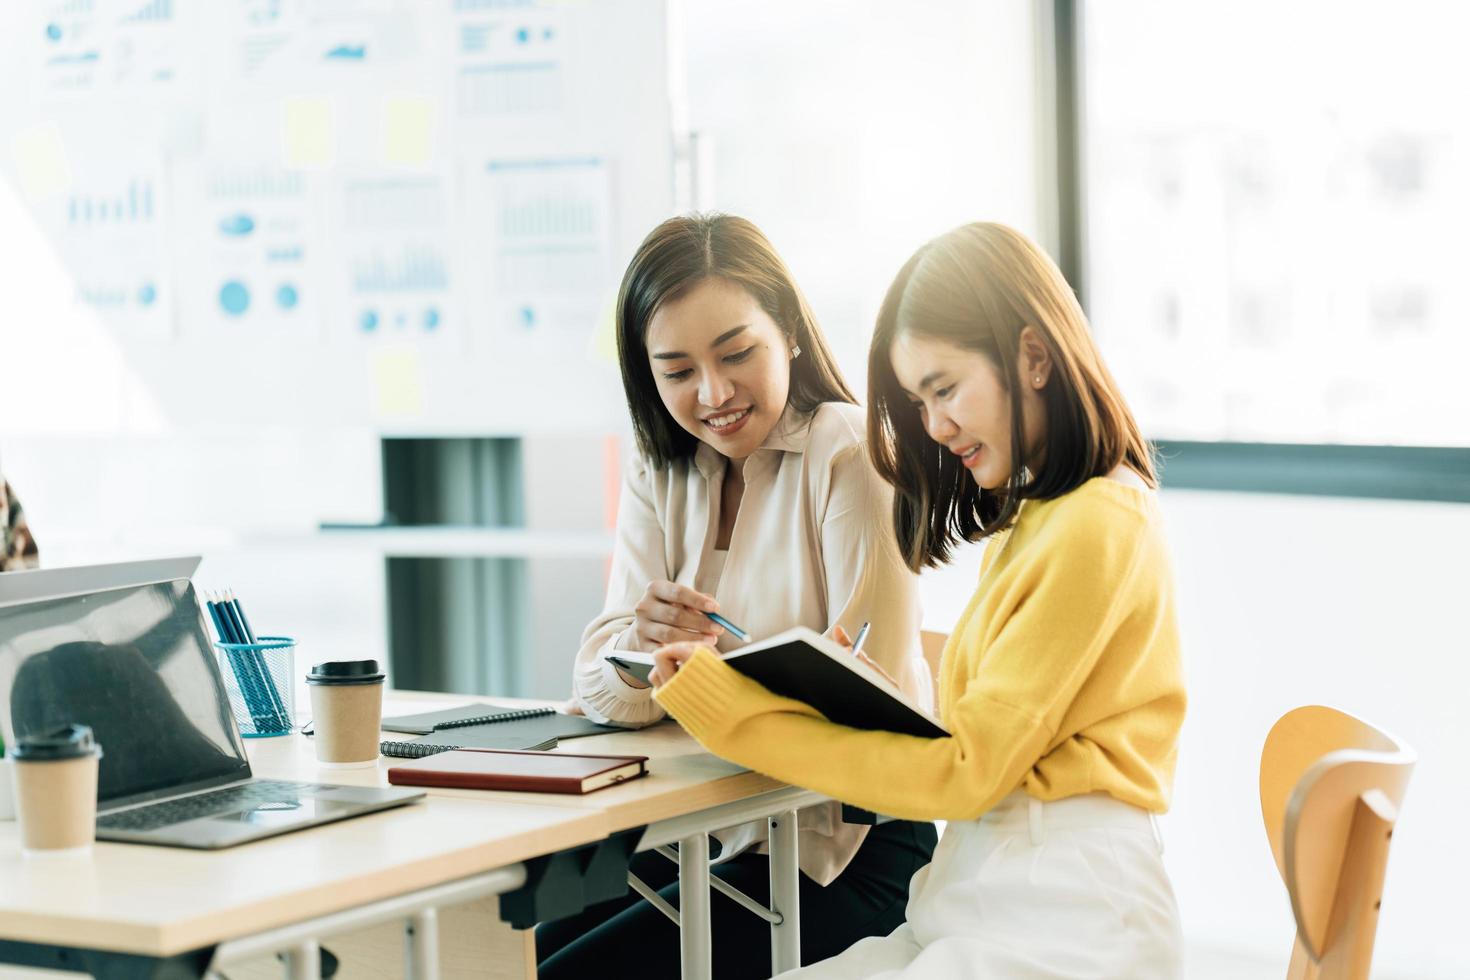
x=398 y=214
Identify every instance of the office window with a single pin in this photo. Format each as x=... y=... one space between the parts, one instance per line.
x=1277 y=205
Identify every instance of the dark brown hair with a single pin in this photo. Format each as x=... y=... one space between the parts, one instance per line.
x=679 y=254
x=976 y=288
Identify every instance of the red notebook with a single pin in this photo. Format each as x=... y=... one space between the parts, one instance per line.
x=532 y=772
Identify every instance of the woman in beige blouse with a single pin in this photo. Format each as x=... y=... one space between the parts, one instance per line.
x=751 y=495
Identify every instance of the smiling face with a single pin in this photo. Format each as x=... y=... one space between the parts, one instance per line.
x=721 y=364
x=965 y=405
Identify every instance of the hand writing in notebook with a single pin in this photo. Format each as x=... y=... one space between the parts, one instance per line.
x=667 y=660
x=839 y=634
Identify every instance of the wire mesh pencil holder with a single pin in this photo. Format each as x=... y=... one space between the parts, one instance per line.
x=260 y=681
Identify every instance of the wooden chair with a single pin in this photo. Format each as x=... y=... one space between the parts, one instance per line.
x=1331 y=789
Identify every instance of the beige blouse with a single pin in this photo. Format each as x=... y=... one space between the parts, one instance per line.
x=812 y=546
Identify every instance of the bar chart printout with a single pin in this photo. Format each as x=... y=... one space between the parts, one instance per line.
x=549 y=225
x=110 y=231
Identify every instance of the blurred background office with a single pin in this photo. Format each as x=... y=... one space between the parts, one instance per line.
x=321 y=289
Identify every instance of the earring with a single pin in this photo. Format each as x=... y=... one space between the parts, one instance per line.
x=1037 y=379
x=795 y=353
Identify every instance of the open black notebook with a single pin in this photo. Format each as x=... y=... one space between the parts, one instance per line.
x=484 y=726
x=803 y=664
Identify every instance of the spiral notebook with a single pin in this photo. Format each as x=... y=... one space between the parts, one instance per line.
x=463 y=716
x=484 y=726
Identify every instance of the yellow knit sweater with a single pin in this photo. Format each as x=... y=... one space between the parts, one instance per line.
x=1062 y=677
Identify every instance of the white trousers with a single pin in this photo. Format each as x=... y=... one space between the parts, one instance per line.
x=1032 y=891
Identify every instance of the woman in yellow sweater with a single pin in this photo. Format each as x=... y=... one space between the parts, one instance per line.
x=993 y=416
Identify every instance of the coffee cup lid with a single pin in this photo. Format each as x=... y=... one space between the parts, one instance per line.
x=66 y=742
x=345 y=672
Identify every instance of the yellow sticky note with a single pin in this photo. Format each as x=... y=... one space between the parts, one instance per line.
x=398 y=381
x=40 y=161
x=605 y=333
x=308 y=133
x=408 y=130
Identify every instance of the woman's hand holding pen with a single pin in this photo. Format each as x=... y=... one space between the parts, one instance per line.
x=670 y=613
x=673 y=613
x=668 y=659
x=839 y=634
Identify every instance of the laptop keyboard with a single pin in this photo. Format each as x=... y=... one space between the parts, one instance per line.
x=265 y=794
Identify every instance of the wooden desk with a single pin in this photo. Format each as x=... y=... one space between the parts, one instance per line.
x=683 y=778
x=160 y=901
x=456 y=847
x=164 y=903
x=687 y=794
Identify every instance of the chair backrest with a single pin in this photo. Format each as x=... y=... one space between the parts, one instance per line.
x=1331 y=788
x=933 y=643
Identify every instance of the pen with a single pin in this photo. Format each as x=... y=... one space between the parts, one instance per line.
x=239 y=612
x=857 y=644
x=736 y=631
x=252 y=675
x=257 y=658
x=260 y=713
x=232 y=617
x=219 y=625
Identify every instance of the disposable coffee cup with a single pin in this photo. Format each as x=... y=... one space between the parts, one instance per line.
x=347 y=712
x=55 y=776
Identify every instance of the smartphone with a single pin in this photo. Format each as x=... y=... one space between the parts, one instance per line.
x=638 y=665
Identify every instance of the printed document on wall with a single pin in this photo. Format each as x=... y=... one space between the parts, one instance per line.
x=509 y=57
x=394 y=260
x=548 y=225
x=109 y=228
x=249 y=265
x=99 y=46
x=311 y=42
x=260 y=35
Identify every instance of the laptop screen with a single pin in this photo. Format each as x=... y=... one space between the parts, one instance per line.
x=135 y=664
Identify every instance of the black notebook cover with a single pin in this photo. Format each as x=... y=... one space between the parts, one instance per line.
x=802 y=664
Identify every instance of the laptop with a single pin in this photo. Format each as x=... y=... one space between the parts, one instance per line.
x=123 y=648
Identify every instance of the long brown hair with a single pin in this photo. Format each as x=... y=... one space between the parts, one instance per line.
x=679 y=254
x=976 y=288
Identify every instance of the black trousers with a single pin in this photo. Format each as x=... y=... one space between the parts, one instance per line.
x=627 y=937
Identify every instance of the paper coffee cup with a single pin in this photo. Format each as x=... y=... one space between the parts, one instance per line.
x=347 y=712
x=56 y=789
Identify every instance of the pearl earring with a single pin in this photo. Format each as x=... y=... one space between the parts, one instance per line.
x=1037 y=379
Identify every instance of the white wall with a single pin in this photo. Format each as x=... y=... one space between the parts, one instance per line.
x=1356 y=604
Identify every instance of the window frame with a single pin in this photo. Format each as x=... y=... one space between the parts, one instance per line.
x=1431 y=473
